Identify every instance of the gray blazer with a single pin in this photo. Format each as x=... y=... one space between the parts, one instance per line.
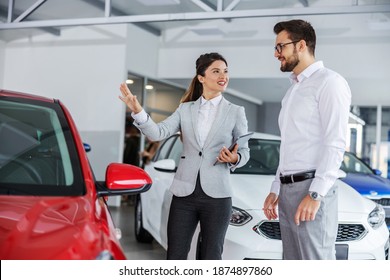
x=230 y=123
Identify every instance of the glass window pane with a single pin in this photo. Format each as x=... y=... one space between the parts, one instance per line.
x=37 y=151
x=363 y=137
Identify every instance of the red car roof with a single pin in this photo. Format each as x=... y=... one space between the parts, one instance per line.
x=10 y=93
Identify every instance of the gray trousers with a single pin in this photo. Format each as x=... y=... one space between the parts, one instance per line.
x=311 y=240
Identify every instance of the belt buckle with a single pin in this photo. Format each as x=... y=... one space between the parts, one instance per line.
x=292 y=178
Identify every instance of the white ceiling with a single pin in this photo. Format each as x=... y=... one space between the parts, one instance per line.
x=239 y=24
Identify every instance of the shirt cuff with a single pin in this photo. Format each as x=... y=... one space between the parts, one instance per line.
x=275 y=186
x=231 y=165
x=141 y=117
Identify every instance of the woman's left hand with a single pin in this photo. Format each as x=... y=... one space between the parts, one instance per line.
x=228 y=156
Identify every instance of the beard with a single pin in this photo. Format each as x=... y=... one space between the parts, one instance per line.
x=290 y=63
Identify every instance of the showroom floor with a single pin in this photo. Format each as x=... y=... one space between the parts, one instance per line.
x=123 y=218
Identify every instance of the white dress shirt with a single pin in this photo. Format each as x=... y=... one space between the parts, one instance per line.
x=207 y=112
x=313 y=123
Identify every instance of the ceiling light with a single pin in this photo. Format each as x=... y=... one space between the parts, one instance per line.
x=129 y=82
x=149 y=87
x=159 y=2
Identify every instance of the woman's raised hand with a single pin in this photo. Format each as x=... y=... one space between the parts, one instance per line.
x=129 y=99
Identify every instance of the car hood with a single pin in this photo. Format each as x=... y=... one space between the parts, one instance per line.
x=44 y=227
x=249 y=192
x=367 y=184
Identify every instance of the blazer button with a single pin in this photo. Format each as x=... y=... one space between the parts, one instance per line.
x=200 y=154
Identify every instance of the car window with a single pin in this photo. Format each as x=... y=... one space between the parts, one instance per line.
x=264 y=157
x=165 y=148
x=176 y=151
x=352 y=164
x=36 y=149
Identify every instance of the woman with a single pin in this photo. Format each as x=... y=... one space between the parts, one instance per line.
x=201 y=190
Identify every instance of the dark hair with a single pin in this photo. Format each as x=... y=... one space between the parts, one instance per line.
x=298 y=29
x=195 y=89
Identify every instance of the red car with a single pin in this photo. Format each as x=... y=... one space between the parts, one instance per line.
x=51 y=206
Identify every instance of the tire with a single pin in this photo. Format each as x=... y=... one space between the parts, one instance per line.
x=141 y=234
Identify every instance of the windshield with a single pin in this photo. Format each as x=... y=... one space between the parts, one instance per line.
x=352 y=164
x=264 y=158
x=37 y=155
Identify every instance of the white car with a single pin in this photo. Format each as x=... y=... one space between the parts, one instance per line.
x=362 y=233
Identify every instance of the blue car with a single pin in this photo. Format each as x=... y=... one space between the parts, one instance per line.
x=367 y=181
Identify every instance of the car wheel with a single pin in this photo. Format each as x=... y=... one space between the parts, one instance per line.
x=141 y=234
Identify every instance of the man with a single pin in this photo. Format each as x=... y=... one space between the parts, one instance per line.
x=313 y=126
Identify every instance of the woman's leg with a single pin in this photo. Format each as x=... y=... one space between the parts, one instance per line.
x=182 y=222
x=214 y=220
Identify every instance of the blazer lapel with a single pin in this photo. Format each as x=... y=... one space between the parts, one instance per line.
x=222 y=113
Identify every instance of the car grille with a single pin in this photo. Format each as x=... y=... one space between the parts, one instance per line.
x=382 y=201
x=346 y=232
x=350 y=232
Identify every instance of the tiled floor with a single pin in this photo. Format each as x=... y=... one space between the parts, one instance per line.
x=123 y=218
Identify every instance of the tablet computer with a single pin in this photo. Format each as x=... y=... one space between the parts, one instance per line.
x=241 y=140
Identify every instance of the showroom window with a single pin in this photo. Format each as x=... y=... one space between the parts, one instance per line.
x=370 y=136
x=159 y=99
x=162 y=99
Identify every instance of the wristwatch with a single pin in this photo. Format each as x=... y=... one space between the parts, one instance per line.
x=315 y=196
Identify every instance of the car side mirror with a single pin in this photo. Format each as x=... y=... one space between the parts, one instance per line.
x=124 y=179
x=165 y=165
x=377 y=172
x=341 y=174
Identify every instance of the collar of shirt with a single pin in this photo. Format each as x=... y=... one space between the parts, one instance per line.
x=307 y=72
x=214 y=101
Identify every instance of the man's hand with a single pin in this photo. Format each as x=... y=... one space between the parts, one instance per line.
x=307 y=210
x=270 y=204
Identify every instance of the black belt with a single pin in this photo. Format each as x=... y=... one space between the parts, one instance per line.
x=297 y=177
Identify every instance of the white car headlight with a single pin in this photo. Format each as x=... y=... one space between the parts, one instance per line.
x=239 y=217
x=377 y=217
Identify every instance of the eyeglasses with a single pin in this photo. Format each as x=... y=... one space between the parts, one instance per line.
x=279 y=47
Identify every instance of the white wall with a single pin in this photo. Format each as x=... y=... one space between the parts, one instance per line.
x=365 y=66
x=142 y=52
x=247 y=62
x=83 y=67
x=359 y=61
